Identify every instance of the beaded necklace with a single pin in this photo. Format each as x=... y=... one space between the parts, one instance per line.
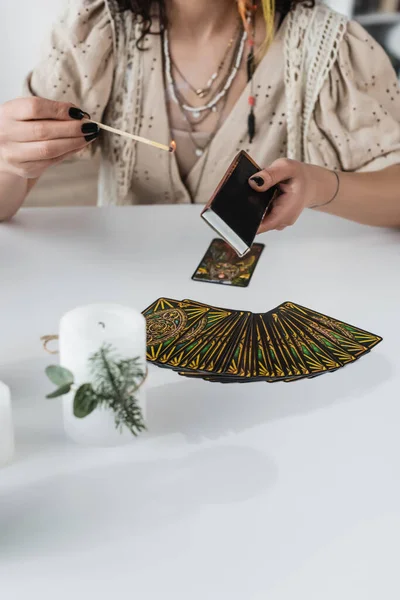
x=206 y=90
x=196 y=111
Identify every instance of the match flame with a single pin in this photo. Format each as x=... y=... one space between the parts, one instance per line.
x=172 y=146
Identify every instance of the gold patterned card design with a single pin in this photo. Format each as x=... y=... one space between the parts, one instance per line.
x=287 y=343
x=167 y=320
x=204 y=347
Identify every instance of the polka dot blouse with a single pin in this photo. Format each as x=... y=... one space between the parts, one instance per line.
x=355 y=125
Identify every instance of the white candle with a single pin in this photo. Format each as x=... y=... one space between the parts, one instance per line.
x=6 y=426
x=83 y=331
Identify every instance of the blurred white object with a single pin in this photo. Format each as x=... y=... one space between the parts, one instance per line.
x=24 y=28
x=6 y=426
x=393 y=41
x=346 y=7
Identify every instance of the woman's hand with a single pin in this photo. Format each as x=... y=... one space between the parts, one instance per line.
x=301 y=186
x=36 y=134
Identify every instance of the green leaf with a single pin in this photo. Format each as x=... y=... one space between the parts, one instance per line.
x=85 y=401
x=59 y=376
x=64 y=389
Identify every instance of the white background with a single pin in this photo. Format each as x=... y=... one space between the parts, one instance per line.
x=24 y=25
x=23 y=28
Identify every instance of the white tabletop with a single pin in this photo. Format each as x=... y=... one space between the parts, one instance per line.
x=238 y=492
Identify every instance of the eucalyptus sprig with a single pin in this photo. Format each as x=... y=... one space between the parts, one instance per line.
x=114 y=385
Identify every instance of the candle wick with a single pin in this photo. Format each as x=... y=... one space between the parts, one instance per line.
x=102 y=324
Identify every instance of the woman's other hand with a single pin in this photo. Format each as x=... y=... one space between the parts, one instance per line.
x=301 y=186
x=36 y=134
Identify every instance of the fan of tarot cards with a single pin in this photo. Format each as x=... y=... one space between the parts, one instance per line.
x=287 y=343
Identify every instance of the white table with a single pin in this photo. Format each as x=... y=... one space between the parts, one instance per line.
x=257 y=492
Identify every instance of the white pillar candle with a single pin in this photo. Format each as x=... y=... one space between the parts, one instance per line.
x=83 y=331
x=6 y=426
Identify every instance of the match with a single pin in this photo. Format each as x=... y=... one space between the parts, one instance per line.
x=136 y=138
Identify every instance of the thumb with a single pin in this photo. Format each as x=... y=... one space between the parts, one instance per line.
x=281 y=170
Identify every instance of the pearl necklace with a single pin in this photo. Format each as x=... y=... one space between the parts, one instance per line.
x=197 y=110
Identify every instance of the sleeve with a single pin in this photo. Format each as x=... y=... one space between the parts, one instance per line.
x=77 y=62
x=356 y=122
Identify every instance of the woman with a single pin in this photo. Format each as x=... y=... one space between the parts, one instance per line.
x=310 y=96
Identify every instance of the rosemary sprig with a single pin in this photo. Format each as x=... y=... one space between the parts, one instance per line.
x=114 y=385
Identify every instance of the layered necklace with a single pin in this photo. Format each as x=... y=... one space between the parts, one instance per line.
x=206 y=90
x=197 y=112
x=194 y=115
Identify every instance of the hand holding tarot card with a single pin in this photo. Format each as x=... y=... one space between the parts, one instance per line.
x=287 y=343
x=236 y=211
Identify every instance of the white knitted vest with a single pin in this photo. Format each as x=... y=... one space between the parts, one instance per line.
x=312 y=42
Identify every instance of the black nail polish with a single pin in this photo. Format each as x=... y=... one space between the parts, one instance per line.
x=90 y=128
x=259 y=181
x=91 y=137
x=78 y=114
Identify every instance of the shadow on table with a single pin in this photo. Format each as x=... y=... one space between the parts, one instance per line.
x=200 y=409
x=196 y=409
x=102 y=504
x=74 y=505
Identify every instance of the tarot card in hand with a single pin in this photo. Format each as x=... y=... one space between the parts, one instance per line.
x=221 y=264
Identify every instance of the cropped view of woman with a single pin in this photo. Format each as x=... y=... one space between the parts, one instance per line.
x=309 y=95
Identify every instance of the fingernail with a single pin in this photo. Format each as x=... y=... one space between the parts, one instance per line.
x=259 y=181
x=90 y=128
x=78 y=114
x=91 y=137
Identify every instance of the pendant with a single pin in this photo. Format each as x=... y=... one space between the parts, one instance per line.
x=196 y=114
x=201 y=93
x=199 y=152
